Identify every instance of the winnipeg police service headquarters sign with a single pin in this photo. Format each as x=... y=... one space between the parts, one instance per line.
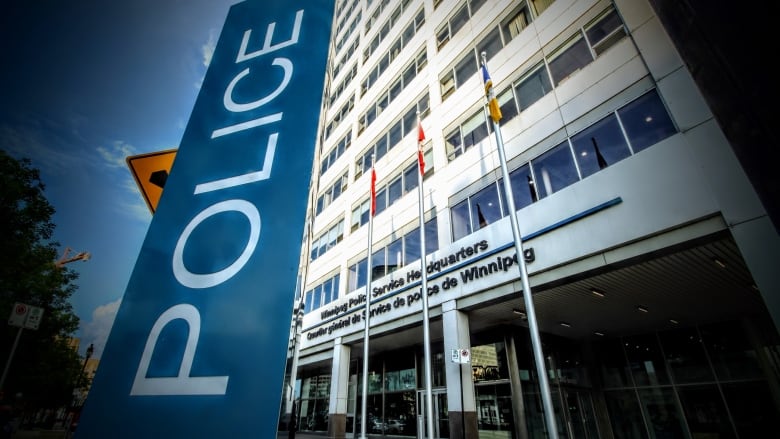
x=198 y=347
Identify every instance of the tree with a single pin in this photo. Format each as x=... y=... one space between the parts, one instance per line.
x=45 y=367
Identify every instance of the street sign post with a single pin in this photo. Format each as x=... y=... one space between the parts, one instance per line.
x=18 y=314
x=22 y=316
x=199 y=345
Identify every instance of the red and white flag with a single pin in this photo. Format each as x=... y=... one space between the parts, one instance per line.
x=373 y=192
x=420 y=139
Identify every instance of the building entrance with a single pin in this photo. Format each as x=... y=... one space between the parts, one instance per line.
x=441 y=422
x=579 y=415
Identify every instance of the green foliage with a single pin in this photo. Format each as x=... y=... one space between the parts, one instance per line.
x=44 y=367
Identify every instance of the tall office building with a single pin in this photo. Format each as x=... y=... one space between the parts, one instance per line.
x=650 y=249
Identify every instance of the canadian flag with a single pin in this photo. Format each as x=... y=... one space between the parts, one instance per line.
x=420 y=138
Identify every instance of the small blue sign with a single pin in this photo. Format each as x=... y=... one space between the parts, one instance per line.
x=199 y=345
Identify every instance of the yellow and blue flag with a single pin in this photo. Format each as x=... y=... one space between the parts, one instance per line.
x=495 y=110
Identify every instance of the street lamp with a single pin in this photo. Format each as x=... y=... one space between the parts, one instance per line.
x=90 y=351
x=78 y=401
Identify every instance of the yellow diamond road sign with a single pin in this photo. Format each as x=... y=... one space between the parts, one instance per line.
x=150 y=172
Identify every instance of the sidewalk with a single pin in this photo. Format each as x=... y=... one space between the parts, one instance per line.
x=38 y=434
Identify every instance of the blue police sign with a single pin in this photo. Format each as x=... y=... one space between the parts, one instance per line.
x=199 y=345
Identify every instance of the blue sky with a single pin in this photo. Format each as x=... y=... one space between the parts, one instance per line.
x=84 y=84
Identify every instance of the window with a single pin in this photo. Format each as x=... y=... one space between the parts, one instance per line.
x=541 y=5
x=523 y=187
x=395 y=255
x=599 y=145
x=327 y=240
x=646 y=121
x=443 y=35
x=459 y=19
x=533 y=87
x=569 y=59
x=554 y=170
x=506 y=101
x=360 y=215
x=461 y=220
x=357 y=275
x=410 y=178
x=331 y=193
x=516 y=22
x=454 y=144
x=491 y=44
x=607 y=31
x=321 y=294
x=466 y=67
x=394 y=190
x=485 y=207
x=447 y=83
x=412 y=241
x=378 y=260
x=474 y=130
x=381 y=200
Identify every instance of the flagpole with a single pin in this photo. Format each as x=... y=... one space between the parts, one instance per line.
x=372 y=210
x=424 y=288
x=495 y=116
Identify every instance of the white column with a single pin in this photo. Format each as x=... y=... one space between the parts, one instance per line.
x=456 y=336
x=339 y=389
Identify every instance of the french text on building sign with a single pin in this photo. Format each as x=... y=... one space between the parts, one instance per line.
x=197 y=331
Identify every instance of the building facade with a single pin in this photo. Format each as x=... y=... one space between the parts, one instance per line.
x=649 y=252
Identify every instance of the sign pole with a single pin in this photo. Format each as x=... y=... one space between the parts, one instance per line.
x=11 y=356
x=533 y=328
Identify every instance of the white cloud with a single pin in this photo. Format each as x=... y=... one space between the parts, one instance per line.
x=208 y=48
x=207 y=52
x=116 y=154
x=96 y=331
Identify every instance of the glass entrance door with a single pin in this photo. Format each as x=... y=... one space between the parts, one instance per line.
x=441 y=422
x=579 y=414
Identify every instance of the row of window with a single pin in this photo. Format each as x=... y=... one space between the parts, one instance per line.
x=387 y=194
x=342 y=21
x=466 y=67
x=352 y=26
x=393 y=52
x=452 y=25
x=385 y=30
x=572 y=56
x=392 y=137
x=375 y=15
x=385 y=260
x=321 y=294
x=327 y=240
x=347 y=57
x=393 y=256
x=343 y=86
x=624 y=132
x=387 y=96
x=340 y=115
x=495 y=40
x=338 y=150
x=333 y=191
